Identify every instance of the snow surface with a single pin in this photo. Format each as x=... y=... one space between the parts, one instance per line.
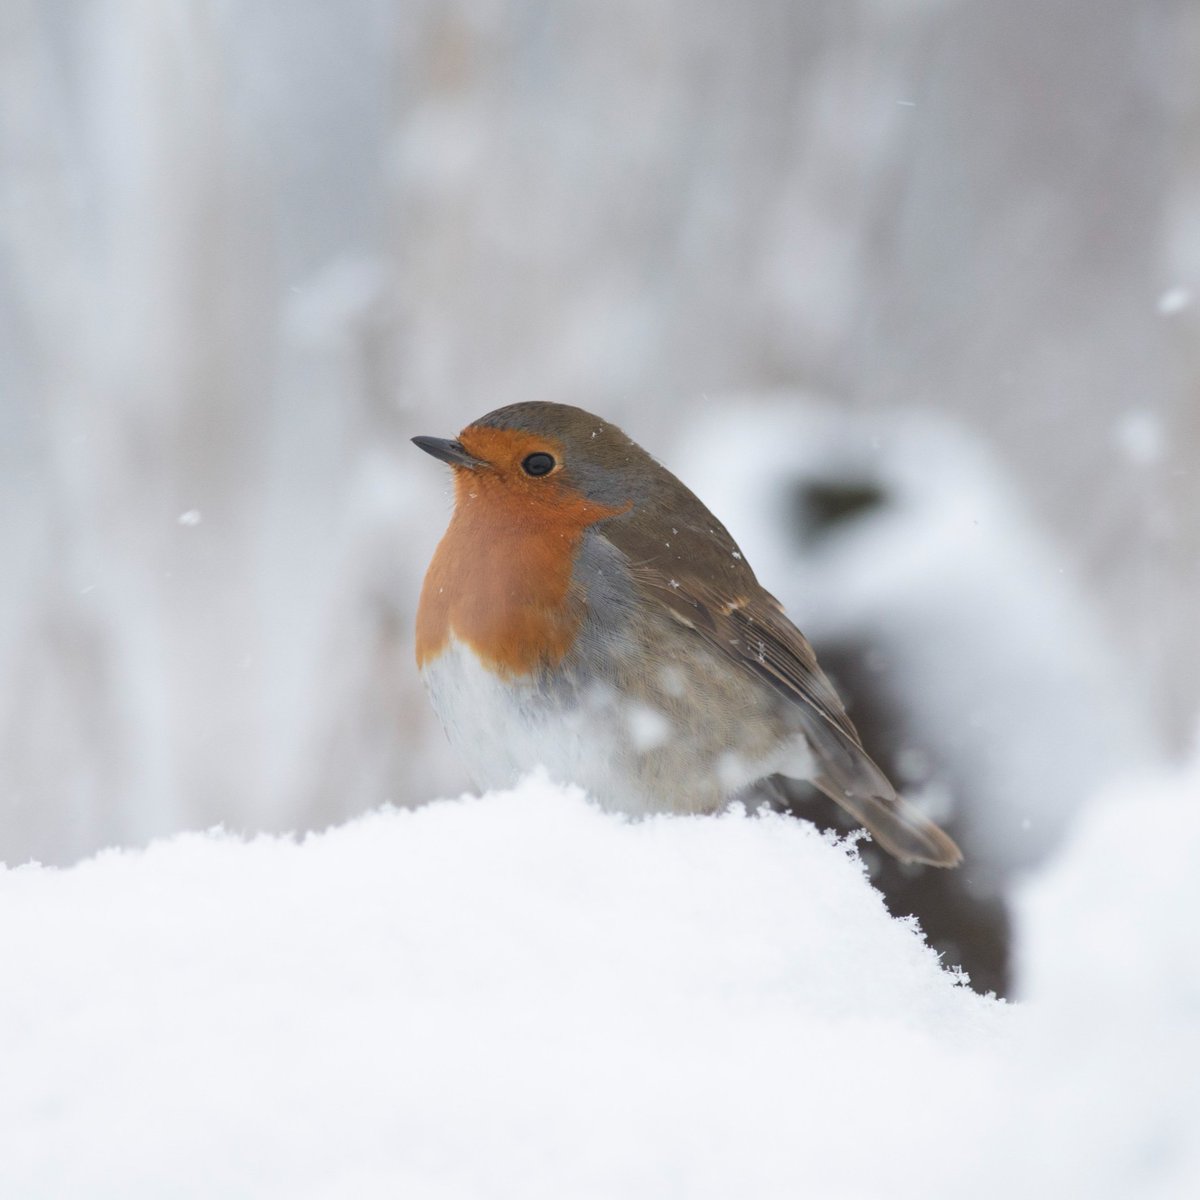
x=1110 y=963
x=519 y=995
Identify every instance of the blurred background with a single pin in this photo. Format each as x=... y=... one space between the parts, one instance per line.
x=907 y=290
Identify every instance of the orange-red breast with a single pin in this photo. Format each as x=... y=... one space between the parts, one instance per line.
x=585 y=612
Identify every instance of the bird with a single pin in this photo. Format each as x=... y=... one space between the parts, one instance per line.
x=586 y=614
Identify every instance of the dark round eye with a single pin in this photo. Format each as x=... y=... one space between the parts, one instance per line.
x=538 y=464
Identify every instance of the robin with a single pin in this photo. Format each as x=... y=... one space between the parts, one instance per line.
x=585 y=612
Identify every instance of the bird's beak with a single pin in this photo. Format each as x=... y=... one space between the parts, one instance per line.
x=449 y=452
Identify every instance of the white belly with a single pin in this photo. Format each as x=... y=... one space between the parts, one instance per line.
x=504 y=730
x=629 y=758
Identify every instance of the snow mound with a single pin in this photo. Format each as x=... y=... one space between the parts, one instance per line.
x=522 y=996
x=1109 y=1067
x=509 y=996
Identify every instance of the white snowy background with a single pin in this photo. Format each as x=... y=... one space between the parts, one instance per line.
x=907 y=290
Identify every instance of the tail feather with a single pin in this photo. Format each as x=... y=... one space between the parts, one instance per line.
x=897 y=826
x=847 y=775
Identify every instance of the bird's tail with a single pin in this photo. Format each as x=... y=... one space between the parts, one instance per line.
x=847 y=775
x=897 y=826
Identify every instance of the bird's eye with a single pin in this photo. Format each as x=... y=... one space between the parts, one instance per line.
x=538 y=464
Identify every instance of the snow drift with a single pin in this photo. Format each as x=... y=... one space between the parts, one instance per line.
x=522 y=996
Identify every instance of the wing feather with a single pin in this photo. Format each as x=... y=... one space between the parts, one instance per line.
x=697 y=573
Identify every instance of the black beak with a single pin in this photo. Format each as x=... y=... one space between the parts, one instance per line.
x=449 y=452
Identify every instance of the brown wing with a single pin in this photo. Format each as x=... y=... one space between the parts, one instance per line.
x=693 y=567
x=753 y=632
x=738 y=619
